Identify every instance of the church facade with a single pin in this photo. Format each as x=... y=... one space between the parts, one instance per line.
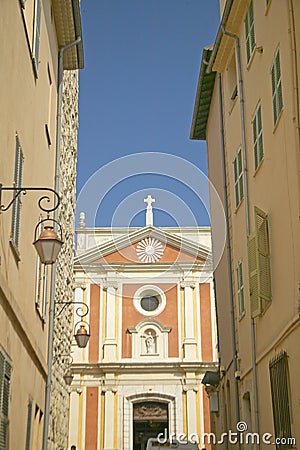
x=153 y=335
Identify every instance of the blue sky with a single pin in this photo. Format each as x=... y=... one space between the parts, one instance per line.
x=137 y=94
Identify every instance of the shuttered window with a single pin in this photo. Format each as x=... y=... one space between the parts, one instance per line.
x=259 y=265
x=238 y=177
x=240 y=286
x=249 y=31
x=257 y=137
x=16 y=210
x=29 y=424
x=278 y=367
x=5 y=374
x=277 y=99
x=36 y=34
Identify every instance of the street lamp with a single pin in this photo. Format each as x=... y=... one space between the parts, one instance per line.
x=48 y=244
x=81 y=328
x=68 y=377
x=67 y=361
x=82 y=335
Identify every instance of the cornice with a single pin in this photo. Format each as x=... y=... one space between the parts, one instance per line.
x=132 y=367
x=121 y=242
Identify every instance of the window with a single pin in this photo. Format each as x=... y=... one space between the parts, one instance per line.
x=277 y=99
x=259 y=265
x=15 y=223
x=29 y=423
x=238 y=177
x=5 y=374
x=149 y=300
x=149 y=303
x=36 y=34
x=231 y=79
x=240 y=285
x=37 y=433
x=249 y=31
x=257 y=137
x=278 y=367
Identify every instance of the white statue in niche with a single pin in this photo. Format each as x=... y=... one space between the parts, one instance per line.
x=150 y=342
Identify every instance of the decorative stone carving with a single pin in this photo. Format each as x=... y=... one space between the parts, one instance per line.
x=150 y=250
x=110 y=284
x=188 y=284
x=150 y=411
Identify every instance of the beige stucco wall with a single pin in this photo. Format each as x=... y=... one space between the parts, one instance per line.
x=28 y=104
x=25 y=111
x=275 y=189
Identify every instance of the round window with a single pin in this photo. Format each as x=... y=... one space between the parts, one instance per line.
x=149 y=303
x=149 y=300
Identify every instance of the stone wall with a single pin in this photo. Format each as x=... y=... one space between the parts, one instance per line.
x=63 y=329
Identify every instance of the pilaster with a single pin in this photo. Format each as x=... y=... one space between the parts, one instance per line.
x=110 y=342
x=189 y=342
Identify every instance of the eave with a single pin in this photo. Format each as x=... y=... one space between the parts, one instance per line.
x=68 y=27
x=205 y=88
x=233 y=16
x=215 y=59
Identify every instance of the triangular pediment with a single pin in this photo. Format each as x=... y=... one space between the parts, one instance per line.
x=148 y=245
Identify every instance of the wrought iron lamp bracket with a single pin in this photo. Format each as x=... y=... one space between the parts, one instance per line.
x=81 y=311
x=23 y=190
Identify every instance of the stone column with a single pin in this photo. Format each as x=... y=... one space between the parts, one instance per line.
x=189 y=342
x=110 y=342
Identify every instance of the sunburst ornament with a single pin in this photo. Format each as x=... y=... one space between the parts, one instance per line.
x=149 y=250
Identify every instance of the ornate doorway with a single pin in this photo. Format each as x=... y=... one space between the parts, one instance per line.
x=149 y=419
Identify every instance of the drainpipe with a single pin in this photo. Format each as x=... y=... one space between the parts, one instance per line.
x=243 y=131
x=229 y=265
x=296 y=107
x=53 y=273
x=242 y=109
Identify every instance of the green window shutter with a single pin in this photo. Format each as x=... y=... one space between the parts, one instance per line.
x=256 y=158
x=240 y=284
x=263 y=246
x=257 y=137
x=16 y=211
x=248 y=49
x=2 y=369
x=273 y=79
x=29 y=423
x=5 y=374
x=260 y=139
x=278 y=76
x=279 y=381
x=255 y=301
x=36 y=34
x=250 y=31
x=277 y=98
x=238 y=177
